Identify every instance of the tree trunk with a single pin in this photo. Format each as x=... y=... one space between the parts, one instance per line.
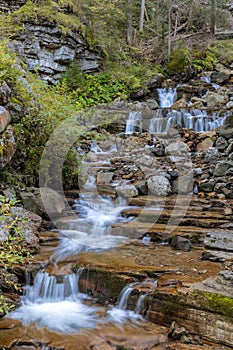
x=141 y=24
x=130 y=22
x=169 y=32
x=212 y=27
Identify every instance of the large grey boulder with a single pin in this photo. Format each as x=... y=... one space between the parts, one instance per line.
x=44 y=201
x=159 y=185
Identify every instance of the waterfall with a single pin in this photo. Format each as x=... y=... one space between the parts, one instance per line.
x=133 y=121
x=140 y=304
x=92 y=230
x=198 y=120
x=122 y=300
x=55 y=302
x=167 y=97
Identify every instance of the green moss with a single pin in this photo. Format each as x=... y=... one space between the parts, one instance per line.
x=50 y=11
x=201 y=300
x=104 y=285
x=214 y=302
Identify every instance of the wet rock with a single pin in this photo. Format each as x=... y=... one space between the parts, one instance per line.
x=159 y=185
x=181 y=243
x=152 y=104
x=213 y=100
x=182 y=103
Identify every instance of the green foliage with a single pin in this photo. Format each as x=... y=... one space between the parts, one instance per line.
x=11 y=74
x=49 y=10
x=180 y=59
x=116 y=81
x=12 y=250
x=53 y=106
x=223 y=51
x=204 y=59
x=5 y=305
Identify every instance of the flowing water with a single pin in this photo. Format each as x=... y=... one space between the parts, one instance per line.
x=54 y=304
x=164 y=118
x=167 y=97
x=55 y=301
x=134 y=121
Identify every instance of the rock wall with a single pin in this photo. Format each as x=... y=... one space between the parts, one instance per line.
x=48 y=51
x=11 y=5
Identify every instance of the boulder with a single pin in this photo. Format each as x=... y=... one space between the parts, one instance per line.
x=220 y=240
x=181 y=243
x=104 y=177
x=156 y=81
x=213 y=100
x=152 y=104
x=5 y=93
x=127 y=191
x=178 y=148
x=222 y=166
x=183 y=184
x=5 y=117
x=44 y=201
x=159 y=185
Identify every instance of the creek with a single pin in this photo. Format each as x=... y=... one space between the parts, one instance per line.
x=63 y=310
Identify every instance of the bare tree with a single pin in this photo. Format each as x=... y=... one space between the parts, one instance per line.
x=130 y=22
x=142 y=14
x=212 y=25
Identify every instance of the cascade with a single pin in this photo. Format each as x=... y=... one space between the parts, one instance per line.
x=54 y=304
x=140 y=303
x=133 y=121
x=167 y=97
x=91 y=231
x=198 y=120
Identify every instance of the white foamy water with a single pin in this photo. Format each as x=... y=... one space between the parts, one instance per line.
x=167 y=97
x=119 y=313
x=134 y=121
x=55 y=305
x=92 y=232
x=198 y=120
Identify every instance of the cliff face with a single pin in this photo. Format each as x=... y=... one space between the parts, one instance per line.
x=48 y=51
x=11 y=5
